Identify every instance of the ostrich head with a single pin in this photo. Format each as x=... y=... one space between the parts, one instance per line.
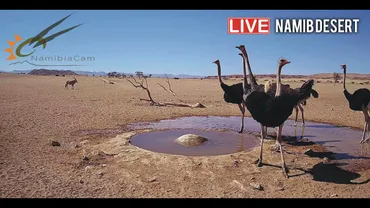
x=283 y=62
x=241 y=48
x=216 y=61
x=344 y=67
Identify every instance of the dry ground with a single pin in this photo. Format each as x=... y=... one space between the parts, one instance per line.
x=36 y=110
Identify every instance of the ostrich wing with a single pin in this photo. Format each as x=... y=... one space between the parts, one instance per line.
x=314 y=93
x=258 y=101
x=269 y=110
x=361 y=96
x=308 y=82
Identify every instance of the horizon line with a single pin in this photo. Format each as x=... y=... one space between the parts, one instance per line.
x=88 y=71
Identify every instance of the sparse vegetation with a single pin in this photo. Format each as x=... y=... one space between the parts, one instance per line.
x=336 y=77
x=86 y=122
x=115 y=75
x=143 y=84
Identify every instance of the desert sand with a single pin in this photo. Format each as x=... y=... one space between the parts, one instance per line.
x=94 y=158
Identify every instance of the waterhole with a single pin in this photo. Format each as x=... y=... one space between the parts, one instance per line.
x=218 y=143
x=343 y=141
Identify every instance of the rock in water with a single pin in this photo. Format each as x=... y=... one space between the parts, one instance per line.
x=191 y=140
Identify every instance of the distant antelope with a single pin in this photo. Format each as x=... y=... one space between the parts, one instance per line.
x=72 y=83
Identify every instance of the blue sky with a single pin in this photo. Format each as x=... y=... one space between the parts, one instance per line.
x=186 y=41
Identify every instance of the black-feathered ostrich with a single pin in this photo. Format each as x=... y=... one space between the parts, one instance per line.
x=232 y=94
x=259 y=87
x=273 y=110
x=299 y=107
x=248 y=86
x=358 y=101
x=271 y=88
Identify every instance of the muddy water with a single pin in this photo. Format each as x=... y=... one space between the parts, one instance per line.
x=343 y=141
x=219 y=143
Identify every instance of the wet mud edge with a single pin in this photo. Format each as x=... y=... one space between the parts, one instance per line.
x=354 y=164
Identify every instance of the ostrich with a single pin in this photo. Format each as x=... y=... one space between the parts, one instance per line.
x=246 y=61
x=314 y=94
x=358 y=101
x=271 y=87
x=248 y=86
x=273 y=110
x=253 y=79
x=232 y=94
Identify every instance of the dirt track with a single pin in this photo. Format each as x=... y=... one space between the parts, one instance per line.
x=36 y=110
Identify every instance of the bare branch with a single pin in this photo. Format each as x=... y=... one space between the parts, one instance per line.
x=152 y=102
x=169 y=86
x=167 y=89
x=133 y=84
x=144 y=88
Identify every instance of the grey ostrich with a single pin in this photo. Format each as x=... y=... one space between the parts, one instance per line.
x=358 y=101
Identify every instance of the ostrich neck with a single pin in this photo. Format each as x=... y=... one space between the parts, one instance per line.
x=251 y=76
x=245 y=81
x=278 y=81
x=219 y=73
x=245 y=59
x=344 y=79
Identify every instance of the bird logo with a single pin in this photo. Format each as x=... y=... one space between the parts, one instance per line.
x=38 y=39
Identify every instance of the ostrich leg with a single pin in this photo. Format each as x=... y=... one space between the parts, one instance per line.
x=368 y=131
x=301 y=109
x=265 y=132
x=279 y=140
x=366 y=114
x=242 y=110
x=295 y=132
x=296 y=115
x=276 y=146
x=368 y=123
x=259 y=160
x=302 y=133
x=368 y=128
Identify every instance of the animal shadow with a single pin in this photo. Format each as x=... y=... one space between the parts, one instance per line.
x=333 y=156
x=294 y=141
x=329 y=155
x=331 y=173
x=342 y=156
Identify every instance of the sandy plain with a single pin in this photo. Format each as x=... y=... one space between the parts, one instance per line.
x=90 y=121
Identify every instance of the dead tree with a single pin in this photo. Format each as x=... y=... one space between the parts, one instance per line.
x=336 y=77
x=169 y=89
x=143 y=84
